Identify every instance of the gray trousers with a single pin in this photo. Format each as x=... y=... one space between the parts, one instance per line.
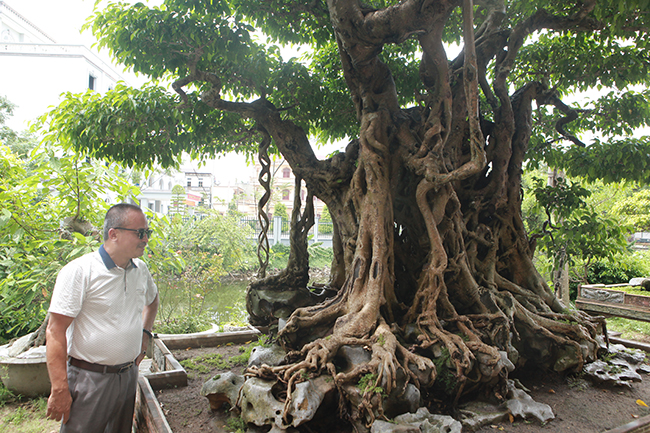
x=101 y=402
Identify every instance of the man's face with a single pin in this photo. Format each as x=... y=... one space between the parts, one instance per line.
x=128 y=242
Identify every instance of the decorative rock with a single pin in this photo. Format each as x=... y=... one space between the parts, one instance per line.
x=272 y=356
x=643 y=282
x=424 y=376
x=521 y=404
x=621 y=369
x=428 y=423
x=258 y=404
x=20 y=345
x=617 y=372
x=411 y=332
x=643 y=368
x=222 y=388
x=260 y=407
x=633 y=356
x=307 y=398
x=350 y=356
x=398 y=403
x=509 y=366
x=476 y=414
x=489 y=368
x=276 y=429
x=380 y=426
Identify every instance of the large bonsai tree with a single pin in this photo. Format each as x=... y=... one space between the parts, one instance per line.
x=431 y=259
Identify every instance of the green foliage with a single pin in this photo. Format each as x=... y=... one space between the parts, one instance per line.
x=319 y=256
x=367 y=384
x=278 y=256
x=206 y=363
x=634 y=209
x=6 y=396
x=210 y=361
x=560 y=201
x=325 y=215
x=20 y=143
x=281 y=211
x=178 y=201
x=238 y=314
x=325 y=222
x=232 y=45
x=48 y=210
x=214 y=47
x=181 y=322
x=25 y=416
x=572 y=225
x=242 y=359
x=633 y=290
x=182 y=295
x=620 y=268
x=188 y=257
x=236 y=425
x=445 y=378
x=629 y=329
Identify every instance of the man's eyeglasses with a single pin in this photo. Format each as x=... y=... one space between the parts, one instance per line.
x=141 y=232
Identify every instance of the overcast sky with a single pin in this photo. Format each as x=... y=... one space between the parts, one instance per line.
x=62 y=20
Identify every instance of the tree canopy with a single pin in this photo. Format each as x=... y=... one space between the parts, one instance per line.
x=432 y=272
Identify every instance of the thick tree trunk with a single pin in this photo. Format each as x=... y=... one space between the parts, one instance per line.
x=433 y=270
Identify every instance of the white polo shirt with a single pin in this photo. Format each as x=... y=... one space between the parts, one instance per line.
x=106 y=303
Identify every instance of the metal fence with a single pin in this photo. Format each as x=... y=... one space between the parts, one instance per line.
x=279 y=230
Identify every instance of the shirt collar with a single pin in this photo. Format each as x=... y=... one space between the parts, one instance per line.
x=108 y=262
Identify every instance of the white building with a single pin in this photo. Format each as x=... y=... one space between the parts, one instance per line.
x=36 y=69
x=202 y=190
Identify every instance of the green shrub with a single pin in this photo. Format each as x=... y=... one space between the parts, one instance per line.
x=620 y=269
x=182 y=323
x=6 y=396
x=40 y=201
x=319 y=256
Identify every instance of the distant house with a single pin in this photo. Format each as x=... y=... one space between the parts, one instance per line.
x=283 y=189
x=201 y=191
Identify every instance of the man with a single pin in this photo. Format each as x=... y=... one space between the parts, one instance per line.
x=101 y=315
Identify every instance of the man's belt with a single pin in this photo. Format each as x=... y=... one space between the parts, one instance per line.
x=99 y=368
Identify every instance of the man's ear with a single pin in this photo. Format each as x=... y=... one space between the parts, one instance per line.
x=112 y=234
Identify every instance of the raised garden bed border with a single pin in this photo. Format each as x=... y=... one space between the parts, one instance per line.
x=613 y=302
x=149 y=417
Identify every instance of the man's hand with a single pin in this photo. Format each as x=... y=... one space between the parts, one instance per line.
x=58 y=406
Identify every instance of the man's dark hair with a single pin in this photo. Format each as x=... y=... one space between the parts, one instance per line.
x=117 y=216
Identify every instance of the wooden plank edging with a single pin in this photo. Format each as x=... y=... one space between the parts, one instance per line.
x=184 y=341
x=149 y=411
x=619 y=310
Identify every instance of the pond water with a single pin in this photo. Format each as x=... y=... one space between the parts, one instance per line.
x=226 y=303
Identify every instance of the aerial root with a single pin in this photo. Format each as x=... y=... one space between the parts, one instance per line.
x=459 y=353
x=421 y=362
x=314 y=316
